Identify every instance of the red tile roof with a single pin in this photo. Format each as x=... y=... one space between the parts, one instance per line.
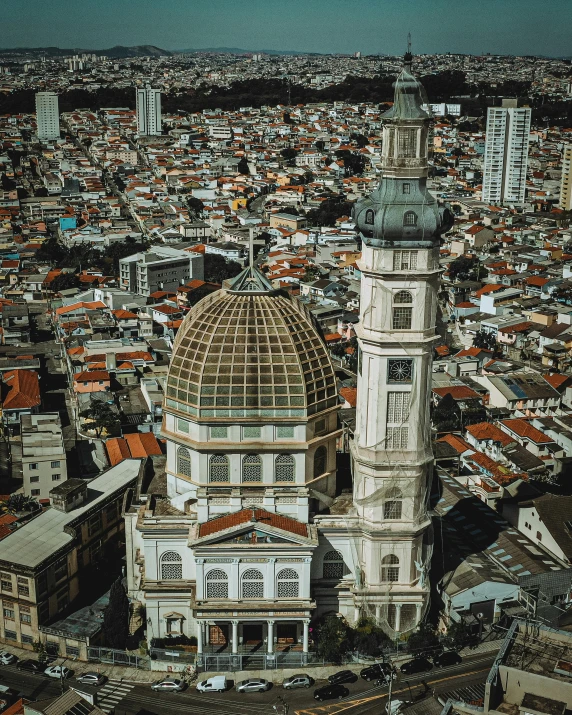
x=245 y=516
x=458 y=443
x=350 y=395
x=142 y=444
x=457 y=392
x=117 y=450
x=524 y=429
x=486 y=430
x=91 y=376
x=24 y=390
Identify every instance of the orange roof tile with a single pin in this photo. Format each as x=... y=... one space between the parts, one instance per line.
x=246 y=515
x=350 y=395
x=142 y=444
x=457 y=392
x=117 y=450
x=24 y=389
x=486 y=430
x=524 y=429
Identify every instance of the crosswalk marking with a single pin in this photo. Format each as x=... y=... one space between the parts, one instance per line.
x=112 y=693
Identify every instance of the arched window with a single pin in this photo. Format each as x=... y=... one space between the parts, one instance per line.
x=284 y=468
x=392 y=504
x=320 y=461
x=252 y=585
x=402 y=312
x=171 y=566
x=217 y=584
x=333 y=565
x=403 y=297
x=219 y=468
x=184 y=462
x=252 y=468
x=369 y=216
x=288 y=585
x=410 y=218
x=390 y=568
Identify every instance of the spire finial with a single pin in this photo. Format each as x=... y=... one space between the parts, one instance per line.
x=408 y=59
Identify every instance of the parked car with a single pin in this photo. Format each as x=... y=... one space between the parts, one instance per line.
x=7 y=658
x=169 y=685
x=448 y=658
x=417 y=665
x=91 y=678
x=216 y=684
x=343 y=676
x=31 y=666
x=329 y=692
x=253 y=685
x=297 y=681
x=377 y=670
x=58 y=671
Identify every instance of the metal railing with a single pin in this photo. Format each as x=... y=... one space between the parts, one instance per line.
x=96 y=654
x=256 y=661
x=172 y=656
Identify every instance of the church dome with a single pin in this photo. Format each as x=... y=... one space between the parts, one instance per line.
x=250 y=351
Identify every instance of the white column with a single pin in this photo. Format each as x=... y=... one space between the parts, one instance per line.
x=398 y=617
x=234 y=637
x=270 y=637
x=418 y=607
x=199 y=637
x=306 y=625
x=378 y=614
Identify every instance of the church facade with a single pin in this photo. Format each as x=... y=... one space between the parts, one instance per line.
x=252 y=540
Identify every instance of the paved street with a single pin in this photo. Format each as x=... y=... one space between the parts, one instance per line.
x=362 y=700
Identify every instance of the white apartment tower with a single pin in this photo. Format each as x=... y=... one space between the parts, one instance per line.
x=401 y=225
x=148 y=111
x=506 y=154
x=566 y=185
x=47 y=116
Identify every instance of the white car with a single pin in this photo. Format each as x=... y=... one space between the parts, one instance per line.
x=216 y=684
x=169 y=685
x=7 y=658
x=58 y=671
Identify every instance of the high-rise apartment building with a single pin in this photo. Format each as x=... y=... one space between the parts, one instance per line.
x=148 y=111
x=566 y=185
x=47 y=116
x=506 y=153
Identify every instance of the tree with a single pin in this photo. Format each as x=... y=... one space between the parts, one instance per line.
x=242 y=167
x=116 y=617
x=458 y=636
x=485 y=340
x=218 y=269
x=338 y=350
x=460 y=268
x=368 y=638
x=447 y=415
x=51 y=251
x=320 y=145
x=196 y=205
x=100 y=417
x=65 y=281
x=332 y=639
x=424 y=641
x=289 y=153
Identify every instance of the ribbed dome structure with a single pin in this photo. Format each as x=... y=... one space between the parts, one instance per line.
x=249 y=351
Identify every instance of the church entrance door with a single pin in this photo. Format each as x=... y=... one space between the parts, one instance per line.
x=218 y=635
x=252 y=633
x=286 y=633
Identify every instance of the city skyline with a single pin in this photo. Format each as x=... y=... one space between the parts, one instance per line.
x=318 y=26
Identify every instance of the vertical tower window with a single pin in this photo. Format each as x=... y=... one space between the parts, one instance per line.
x=404 y=260
x=284 y=468
x=390 y=568
x=392 y=506
x=171 y=566
x=219 y=470
x=369 y=216
x=406 y=188
x=287 y=585
x=320 y=461
x=252 y=468
x=402 y=312
x=397 y=418
x=184 y=462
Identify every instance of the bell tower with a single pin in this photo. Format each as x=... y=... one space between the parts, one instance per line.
x=400 y=225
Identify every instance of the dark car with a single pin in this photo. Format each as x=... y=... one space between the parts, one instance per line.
x=417 y=665
x=448 y=658
x=329 y=692
x=342 y=676
x=32 y=666
x=375 y=671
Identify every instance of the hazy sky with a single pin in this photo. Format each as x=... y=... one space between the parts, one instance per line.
x=471 y=26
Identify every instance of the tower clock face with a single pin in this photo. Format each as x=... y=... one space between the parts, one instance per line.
x=400 y=370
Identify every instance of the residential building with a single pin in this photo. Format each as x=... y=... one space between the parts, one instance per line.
x=506 y=154
x=47 y=116
x=160 y=268
x=566 y=182
x=43 y=562
x=148 y=102
x=43 y=453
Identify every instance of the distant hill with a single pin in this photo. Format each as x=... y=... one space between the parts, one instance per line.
x=239 y=51
x=117 y=52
